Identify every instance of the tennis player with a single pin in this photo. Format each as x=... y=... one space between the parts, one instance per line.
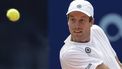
x=87 y=47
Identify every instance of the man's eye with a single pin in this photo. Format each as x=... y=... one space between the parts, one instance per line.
x=72 y=19
x=81 y=21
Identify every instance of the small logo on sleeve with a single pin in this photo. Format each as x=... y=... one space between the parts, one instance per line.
x=88 y=67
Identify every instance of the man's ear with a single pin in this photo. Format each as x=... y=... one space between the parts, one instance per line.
x=92 y=21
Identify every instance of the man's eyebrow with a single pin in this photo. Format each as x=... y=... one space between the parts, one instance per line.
x=71 y=16
x=83 y=17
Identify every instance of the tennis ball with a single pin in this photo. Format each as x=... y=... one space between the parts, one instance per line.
x=13 y=15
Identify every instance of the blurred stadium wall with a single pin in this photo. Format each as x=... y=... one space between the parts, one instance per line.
x=24 y=44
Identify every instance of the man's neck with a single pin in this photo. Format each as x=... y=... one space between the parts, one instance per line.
x=80 y=40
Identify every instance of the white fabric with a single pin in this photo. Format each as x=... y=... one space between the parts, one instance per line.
x=82 y=6
x=74 y=56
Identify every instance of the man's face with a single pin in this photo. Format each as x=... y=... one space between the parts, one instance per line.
x=79 y=25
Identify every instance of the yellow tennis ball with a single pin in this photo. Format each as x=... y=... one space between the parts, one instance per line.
x=13 y=14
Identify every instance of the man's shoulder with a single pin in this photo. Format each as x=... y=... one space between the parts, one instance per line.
x=97 y=29
x=71 y=49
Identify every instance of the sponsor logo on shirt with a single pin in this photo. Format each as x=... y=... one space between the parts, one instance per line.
x=88 y=50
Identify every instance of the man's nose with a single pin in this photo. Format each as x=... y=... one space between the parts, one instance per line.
x=77 y=24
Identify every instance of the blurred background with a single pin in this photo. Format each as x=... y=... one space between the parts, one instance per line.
x=24 y=44
x=108 y=15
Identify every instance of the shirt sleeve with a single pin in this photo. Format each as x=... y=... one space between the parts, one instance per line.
x=103 y=35
x=78 y=60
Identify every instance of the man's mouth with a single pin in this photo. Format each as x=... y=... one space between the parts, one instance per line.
x=77 y=31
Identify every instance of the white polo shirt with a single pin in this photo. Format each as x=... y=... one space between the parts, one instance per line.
x=89 y=55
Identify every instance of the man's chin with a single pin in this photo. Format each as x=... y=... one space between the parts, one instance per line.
x=78 y=35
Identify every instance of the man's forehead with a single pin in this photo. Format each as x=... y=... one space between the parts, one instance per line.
x=77 y=13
